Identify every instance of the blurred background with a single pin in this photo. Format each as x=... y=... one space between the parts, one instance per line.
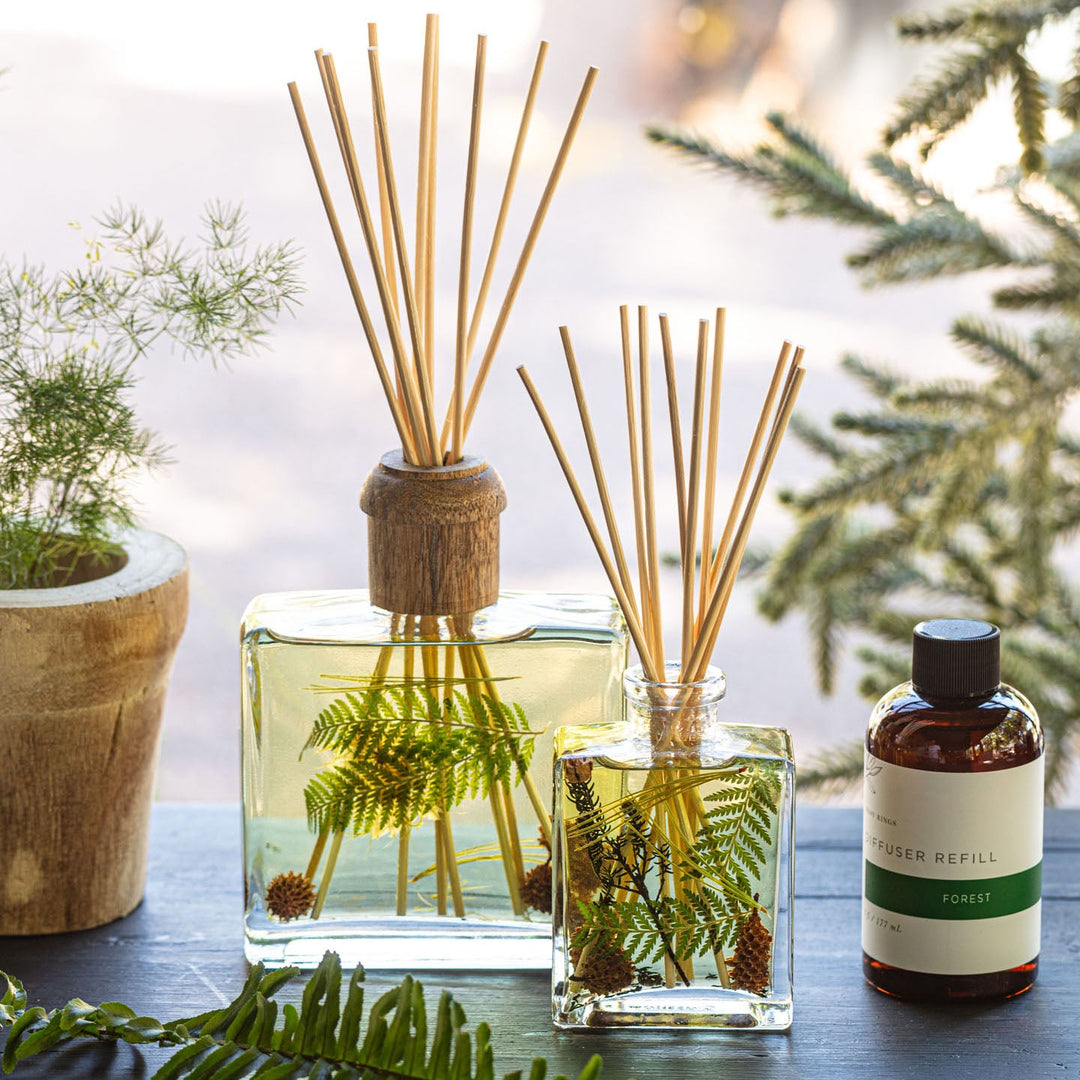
x=167 y=108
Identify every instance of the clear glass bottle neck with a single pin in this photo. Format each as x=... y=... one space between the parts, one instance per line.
x=674 y=716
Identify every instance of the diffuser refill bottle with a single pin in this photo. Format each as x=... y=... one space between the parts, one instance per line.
x=397 y=744
x=952 y=838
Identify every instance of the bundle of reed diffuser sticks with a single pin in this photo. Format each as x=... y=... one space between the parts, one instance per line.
x=708 y=573
x=404 y=275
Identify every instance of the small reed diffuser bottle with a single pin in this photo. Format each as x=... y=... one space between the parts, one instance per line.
x=673 y=828
x=397 y=745
x=952 y=838
x=673 y=865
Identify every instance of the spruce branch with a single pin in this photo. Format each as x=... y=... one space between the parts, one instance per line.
x=1068 y=102
x=937 y=240
x=938 y=105
x=835 y=771
x=799 y=178
x=996 y=345
x=958 y=494
x=1029 y=110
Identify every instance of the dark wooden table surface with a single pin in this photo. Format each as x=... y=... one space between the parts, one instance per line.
x=181 y=952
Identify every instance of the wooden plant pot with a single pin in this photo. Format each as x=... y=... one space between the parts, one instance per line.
x=83 y=673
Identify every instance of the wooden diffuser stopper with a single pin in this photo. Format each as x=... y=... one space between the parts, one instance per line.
x=433 y=535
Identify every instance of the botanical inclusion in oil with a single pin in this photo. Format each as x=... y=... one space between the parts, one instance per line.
x=397 y=774
x=674 y=879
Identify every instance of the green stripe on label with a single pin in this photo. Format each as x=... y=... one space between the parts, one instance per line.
x=940 y=898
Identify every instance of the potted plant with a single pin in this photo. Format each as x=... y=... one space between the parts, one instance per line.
x=92 y=608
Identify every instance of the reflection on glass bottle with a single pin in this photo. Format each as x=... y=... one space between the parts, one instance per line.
x=673 y=865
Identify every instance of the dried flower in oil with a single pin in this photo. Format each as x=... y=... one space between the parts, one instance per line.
x=578 y=770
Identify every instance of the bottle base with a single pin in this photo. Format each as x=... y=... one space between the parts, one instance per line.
x=408 y=944
x=665 y=1008
x=921 y=986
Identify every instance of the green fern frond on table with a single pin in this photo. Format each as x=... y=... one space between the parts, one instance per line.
x=403 y=752
x=325 y=1038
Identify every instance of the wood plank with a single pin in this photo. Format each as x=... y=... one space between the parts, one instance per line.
x=181 y=949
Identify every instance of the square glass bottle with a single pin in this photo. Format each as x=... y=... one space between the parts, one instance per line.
x=673 y=865
x=397 y=743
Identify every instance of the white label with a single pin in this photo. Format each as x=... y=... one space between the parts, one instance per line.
x=952 y=867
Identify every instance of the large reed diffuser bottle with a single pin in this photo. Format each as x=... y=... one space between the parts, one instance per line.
x=952 y=838
x=398 y=744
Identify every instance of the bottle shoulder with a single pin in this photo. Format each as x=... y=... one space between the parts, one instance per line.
x=347 y=616
x=619 y=744
x=999 y=731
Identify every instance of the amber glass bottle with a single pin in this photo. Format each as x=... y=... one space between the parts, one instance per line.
x=952 y=835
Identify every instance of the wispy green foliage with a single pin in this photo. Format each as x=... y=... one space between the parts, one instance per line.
x=69 y=438
x=405 y=751
x=958 y=495
x=325 y=1038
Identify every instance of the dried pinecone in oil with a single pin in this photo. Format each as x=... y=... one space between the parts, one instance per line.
x=751 y=964
x=536 y=889
x=288 y=896
x=605 y=970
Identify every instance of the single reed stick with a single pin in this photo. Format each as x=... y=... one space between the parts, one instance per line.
x=648 y=486
x=384 y=202
x=440 y=870
x=706 y=641
x=609 y=568
x=429 y=281
x=389 y=390
x=340 y=120
x=527 y=249
x=316 y=854
x=327 y=874
x=423 y=378
x=505 y=838
x=402 y=892
x=405 y=832
x=423 y=178
x=598 y=472
x=508 y=191
x=461 y=348
x=644 y=588
x=540 y=808
x=748 y=464
x=689 y=554
x=429 y=655
x=444 y=836
x=710 y=461
x=676 y=427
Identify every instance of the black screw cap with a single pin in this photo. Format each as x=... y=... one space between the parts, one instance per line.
x=955 y=658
